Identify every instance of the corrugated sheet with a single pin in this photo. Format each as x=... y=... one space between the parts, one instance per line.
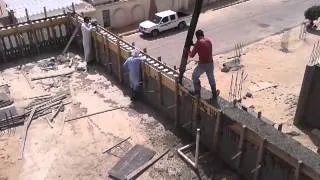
x=35 y=7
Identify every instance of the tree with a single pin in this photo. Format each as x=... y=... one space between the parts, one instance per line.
x=312 y=14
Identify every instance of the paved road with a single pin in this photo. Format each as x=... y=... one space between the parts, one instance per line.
x=246 y=22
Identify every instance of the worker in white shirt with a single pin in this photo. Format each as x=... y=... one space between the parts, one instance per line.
x=86 y=29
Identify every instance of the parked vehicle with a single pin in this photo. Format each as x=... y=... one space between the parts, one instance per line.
x=163 y=21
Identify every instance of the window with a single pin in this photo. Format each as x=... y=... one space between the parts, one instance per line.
x=172 y=17
x=165 y=19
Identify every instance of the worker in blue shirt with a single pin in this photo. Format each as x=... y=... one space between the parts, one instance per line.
x=133 y=66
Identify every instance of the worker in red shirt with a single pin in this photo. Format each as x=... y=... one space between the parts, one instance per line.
x=203 y=47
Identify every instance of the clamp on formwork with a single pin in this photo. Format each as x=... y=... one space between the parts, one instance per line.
x=187 y=147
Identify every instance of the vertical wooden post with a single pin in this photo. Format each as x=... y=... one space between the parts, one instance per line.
x=297 y=171
x=73 y=9
x=45 y=12
x=241 y=145
x=96 y=45
x=145 y=50
x=119 y=61
x=160 y=89
x=144 y=79
x=216 y=132
x=108 y=51
x=280 y=127
x=259 y=115
x=33 y=36
x=159 y=58
x=259 y=160
x=133 y=44
x=177 y=102
x=3 y=52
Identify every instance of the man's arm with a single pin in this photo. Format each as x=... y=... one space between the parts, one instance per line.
x=194 y=50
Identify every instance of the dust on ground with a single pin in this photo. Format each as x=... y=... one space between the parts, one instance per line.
x=73 y=150
x=266 y=61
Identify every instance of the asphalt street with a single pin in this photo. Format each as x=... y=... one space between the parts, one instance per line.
x=246 y=22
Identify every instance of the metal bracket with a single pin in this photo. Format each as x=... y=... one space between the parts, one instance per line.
x=185 y=157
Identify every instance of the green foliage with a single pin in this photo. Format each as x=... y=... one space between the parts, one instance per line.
x=313 y=13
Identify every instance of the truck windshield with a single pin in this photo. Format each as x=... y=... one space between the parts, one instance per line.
x=156 y=20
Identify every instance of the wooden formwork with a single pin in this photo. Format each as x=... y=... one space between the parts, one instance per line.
x=227 y=131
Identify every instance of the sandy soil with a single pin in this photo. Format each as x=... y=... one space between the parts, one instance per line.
x=73 y=150
x=264 y=61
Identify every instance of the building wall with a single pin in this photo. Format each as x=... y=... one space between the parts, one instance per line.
x=125 y=13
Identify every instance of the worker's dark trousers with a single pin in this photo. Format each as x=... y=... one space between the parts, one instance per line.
x=135 y=93
x=198 y=71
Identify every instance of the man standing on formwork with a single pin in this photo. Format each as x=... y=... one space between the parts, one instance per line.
x=86 y=29
x=203 y=47
x=133 y=66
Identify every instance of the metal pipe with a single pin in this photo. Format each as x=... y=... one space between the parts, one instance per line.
x=197 y=148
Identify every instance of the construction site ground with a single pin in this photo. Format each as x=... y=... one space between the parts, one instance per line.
x=265 y=61
x=73 y=150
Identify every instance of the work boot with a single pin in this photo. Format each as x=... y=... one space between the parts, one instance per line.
x=197 y=88
x=215 y=92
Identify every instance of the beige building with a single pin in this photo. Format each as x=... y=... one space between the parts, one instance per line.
x=121 y=13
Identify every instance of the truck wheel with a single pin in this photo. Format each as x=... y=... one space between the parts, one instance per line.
x=154 y=33
x=182 y=25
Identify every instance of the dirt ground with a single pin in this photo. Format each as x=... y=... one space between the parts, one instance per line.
x=264 y=61
x=73 y=150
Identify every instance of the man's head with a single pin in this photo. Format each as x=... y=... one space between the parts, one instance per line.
x=86 y=19
x=135 y=52
x=199 y=34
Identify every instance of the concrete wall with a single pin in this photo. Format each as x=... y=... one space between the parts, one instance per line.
x=129 y=12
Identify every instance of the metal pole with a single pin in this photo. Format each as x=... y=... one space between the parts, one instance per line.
x=197 y=148
x=188 y=43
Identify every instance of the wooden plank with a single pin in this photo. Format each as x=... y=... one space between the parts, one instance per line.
x=216 y=132
x=52 y=75
x=76 y=30
x=96 y=45
x=135 y=158
x=135 y=174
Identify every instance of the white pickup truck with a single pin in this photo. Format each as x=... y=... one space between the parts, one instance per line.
x=163 y=21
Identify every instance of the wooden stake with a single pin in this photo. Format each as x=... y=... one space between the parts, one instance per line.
x=177 y=102
x=160 y=89
x=145 y=50
x=216 y=132
x=73 y=8
x=27 y=14
x=27 y=79
x=159 y=58
x=297 y=171
x=119 y=61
